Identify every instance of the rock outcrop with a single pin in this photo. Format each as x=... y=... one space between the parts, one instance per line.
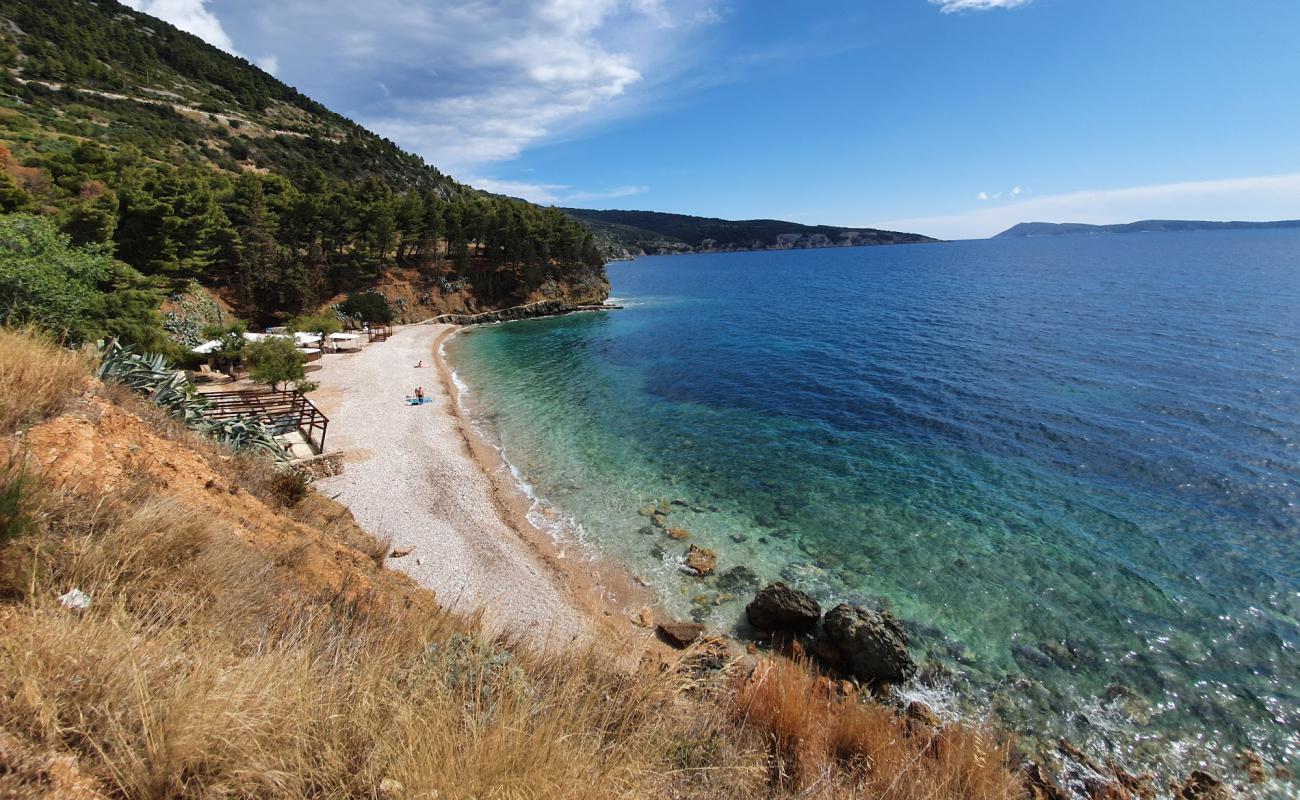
x=679 y=634
x=777 y=607
x=542 y=308
x=873 y=644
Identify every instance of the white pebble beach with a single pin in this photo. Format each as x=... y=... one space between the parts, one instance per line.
x=410 y=474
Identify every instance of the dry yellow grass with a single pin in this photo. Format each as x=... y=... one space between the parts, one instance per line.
x=37 y=377
x=213 y=665
x=820 y=736
x=195 y=671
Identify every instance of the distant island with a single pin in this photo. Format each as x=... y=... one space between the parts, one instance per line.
x=1027 y=229
x=625 y=234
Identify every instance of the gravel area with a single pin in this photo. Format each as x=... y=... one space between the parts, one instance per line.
x=410 y=475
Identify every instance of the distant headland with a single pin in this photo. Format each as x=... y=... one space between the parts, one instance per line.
x=1027 y=229
x=626 y=234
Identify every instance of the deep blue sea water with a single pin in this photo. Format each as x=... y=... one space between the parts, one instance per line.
x=1071 y=464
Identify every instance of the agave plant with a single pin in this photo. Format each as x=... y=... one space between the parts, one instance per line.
x=166 y=387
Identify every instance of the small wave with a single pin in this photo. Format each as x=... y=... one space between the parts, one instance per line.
x=561 y=528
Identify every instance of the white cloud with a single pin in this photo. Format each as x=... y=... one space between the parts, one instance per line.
x=982 y=196
x=1267 y=197
x=192 y=16
x=953 y=6
x=1015 y=191
x=553 y=193
x=607 y=194
x=270 y=63
x=467 y=83
x=546 y=194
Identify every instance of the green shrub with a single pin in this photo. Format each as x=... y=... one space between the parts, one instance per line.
x=319 y=323
x=274 y=360
x=14 y=490
x=369 y=307
x=44 y=279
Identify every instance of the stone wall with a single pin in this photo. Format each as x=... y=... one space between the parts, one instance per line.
x=325 y=465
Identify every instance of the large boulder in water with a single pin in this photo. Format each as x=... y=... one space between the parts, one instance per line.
x=777 y=607
x=873 y=643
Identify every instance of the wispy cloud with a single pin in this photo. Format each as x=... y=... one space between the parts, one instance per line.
x=607 y=194
x=192 y=16
x=554 y=193
x=953 y=6
x=1014 y=192
x=1267 y=197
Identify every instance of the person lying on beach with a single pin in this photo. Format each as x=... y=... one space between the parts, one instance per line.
x=420 y=364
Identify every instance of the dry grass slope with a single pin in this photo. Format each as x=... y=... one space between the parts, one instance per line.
x=36 y=378
x=242 y=642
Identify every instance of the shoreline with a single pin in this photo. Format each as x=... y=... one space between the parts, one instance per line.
x=422 y=476
x=605 y=590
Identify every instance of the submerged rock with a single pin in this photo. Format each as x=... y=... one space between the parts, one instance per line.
x=874 y=644
x=679 y=634
x=700 y=561
x=646 y=511
x=1252 y=765
x=678 y=533
x=738 y=579
x=659 y=520
x=1201 y=785
x=777 y=607
x=1027 y=655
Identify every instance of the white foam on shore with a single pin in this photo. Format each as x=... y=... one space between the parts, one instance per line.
x=563 y=529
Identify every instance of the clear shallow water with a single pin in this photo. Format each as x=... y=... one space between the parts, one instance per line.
x=1072 y=465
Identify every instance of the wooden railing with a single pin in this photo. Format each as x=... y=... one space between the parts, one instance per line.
x=282 y=412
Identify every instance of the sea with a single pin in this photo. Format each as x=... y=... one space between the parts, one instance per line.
x=1070 y=465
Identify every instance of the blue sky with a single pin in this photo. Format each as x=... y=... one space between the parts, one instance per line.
x=955 y=118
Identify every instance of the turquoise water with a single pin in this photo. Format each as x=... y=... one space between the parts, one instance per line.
x=1071 y=465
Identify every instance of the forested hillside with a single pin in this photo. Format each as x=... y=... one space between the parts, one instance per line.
x=141 y=142
x=630 y=233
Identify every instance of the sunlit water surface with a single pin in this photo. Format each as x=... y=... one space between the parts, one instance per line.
x=1071 y=464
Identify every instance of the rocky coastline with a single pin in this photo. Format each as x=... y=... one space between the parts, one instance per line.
x=541 y=308
x=863 y=651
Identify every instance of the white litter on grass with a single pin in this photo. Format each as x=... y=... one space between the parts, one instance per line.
x=76 y=600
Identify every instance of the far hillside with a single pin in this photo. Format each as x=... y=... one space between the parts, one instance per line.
x=1027 y=229
x=621 y=234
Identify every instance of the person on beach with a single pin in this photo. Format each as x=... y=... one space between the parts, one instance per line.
x=419 y=395
x=420 y=364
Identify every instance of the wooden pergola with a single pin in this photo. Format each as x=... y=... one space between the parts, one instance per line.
x=282 y=412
